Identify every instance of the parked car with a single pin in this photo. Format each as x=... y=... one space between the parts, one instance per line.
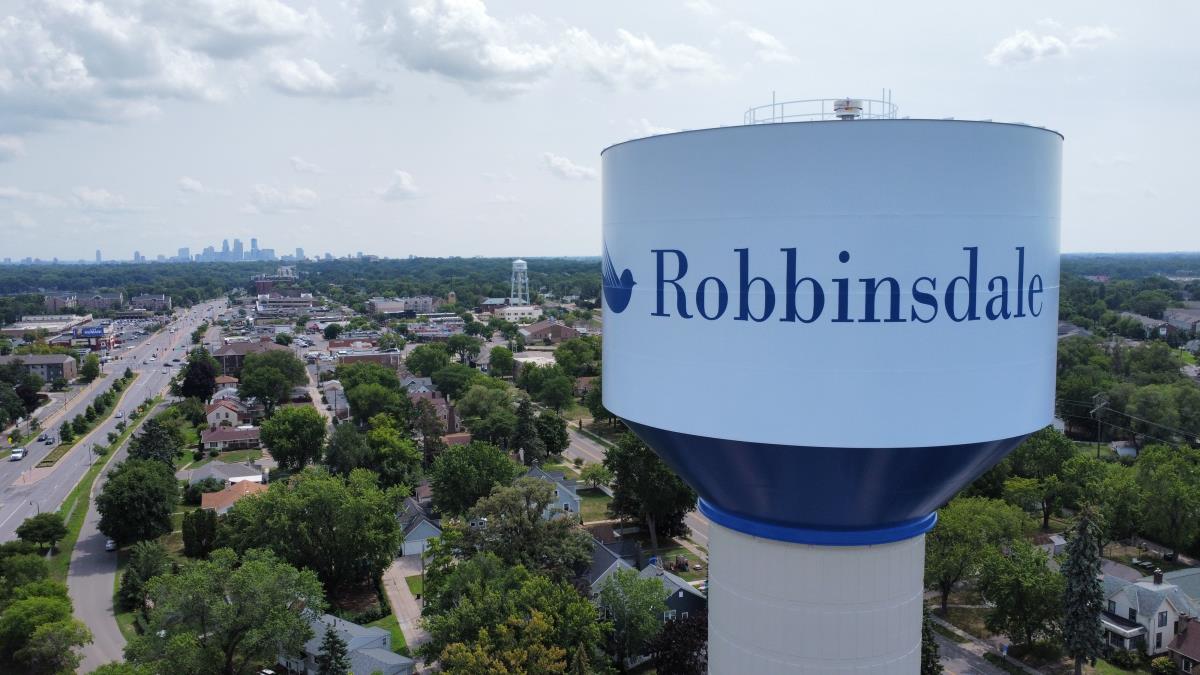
x=110 y=545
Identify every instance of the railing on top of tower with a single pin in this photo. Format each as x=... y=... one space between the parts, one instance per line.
x=818 y=109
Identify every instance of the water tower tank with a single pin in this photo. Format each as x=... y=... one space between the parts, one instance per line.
x=828 y=328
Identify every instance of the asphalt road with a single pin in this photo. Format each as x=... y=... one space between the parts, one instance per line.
x=93 y=570
x=23 y=493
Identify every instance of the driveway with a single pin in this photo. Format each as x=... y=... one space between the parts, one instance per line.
x=958 y=661
x=1120 y=571
x=406 y=607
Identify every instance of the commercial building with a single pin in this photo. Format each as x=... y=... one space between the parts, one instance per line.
x=421 y=304
x=551 y=329
x=94 y=336
x=518 y=313
x=58 y=302
x=101 y=301
x=46 y=366
x=53 y=324
x=154 y=303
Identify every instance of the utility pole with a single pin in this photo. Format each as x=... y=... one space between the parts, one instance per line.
x=1099 y=405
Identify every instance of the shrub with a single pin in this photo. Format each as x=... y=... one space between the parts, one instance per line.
x=1163 y=665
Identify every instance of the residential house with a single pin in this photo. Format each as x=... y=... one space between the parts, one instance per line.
x=460 y=438
x=1188 y=581
x=682 y=598
x=224 y=500
x=445 y=412
x=224 y=381
x=1185 y=319
x=1144 y=615
x=419 y=525
x=224 y=439
x=1185 y=648
x=622 y=554
x=552 y=330
x=584 y=384
x=369 y=649
x=1152 y=327
x=226 y=412
x=153 y=303
x=1067 y=329
x=233 y=355
x=231 y=473
x=566 y=500
x=46 y=366
x=226 y=393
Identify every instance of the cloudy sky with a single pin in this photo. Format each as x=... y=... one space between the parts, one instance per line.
x=455 y=127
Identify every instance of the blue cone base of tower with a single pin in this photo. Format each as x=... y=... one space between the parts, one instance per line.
x=815 y=537
x=822 y=495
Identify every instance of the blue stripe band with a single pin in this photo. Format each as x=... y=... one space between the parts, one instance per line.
x=804 y=535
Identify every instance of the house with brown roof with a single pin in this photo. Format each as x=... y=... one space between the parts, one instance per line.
x=233 y=355
x=1185 y=647
x=445 y=411
x=226 y=381
x=223 y=439
x=226 y=412
x=552 y=330
x=460 y=438
x=223 y=500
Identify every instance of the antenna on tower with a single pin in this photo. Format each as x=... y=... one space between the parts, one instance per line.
x=519 y=289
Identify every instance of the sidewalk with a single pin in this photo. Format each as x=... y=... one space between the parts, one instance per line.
x=979 y=647
x=406 y=607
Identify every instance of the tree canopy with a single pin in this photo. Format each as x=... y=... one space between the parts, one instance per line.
x=137 y=500
x=645 y=489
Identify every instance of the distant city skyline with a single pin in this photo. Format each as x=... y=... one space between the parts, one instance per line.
x=227 y=253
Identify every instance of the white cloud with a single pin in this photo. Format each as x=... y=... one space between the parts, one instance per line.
x=701 y=7
x=305 y=77
x=18 y=195
x=235 y=28
x=1026 y=46
x=635 y=61
x=769 y=49
x=504 y=199
x=99 y=199
x=189 y=184
x=461 y=41
x=646 y=128
x=303 y=165
x=23 y=221
x=11 y=147
x=565 y=168
x=402 y=187
x=456 y=39
x=271 y=199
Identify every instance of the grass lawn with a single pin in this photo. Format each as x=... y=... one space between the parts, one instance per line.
x=415 y=584
x=1089 y=448
x=594 y=504
x=567 y=470
x=1105 y=668
x=608 y=432
x=970 y=620
x=948 y=634
x=1188 y=357
x=667 y=556
x=389 y=624
x=576 y=411
x=1126 y=554
x=125 y=619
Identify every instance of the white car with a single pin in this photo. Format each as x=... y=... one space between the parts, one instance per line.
x=17 y=454
x=110 y=545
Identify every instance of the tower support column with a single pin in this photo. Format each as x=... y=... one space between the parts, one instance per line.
x=783 y=608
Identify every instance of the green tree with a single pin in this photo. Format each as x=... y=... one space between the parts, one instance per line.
x=284 y=339
x=464 y=346
x=52 y=648
x=681 y=647
x=347 y=450
x=66 y=433
x=227 y=614
x=367 y=372
x=332 y=331
x=634 y=606
x=1169 y=479
x=269 y=377
x=501 y=363
x=394 y=456
x=464 y=474
x=199 y=532
x=482 y=592
x=552 y=429
x=1027 y=596
x=295 y=436
x=22 y=617
x=116 y=668
x=147 y=559
x=137 y=501
x=518 y=532
x=525 y=438
x=427 y=359
x=79 y=425
x=343 y=528
x=44 y=529
x=1083 y=597
x=557 y=391
x=199 y=375
x=645 y=489
x=931 y=659
x=454 y=379
x=333 y=659
x=158 y=440
x=90 y=369
x=595 y=402
x=1081 y=476
x=1041 y=457
x=580 y=356
x=968 y=529
x=370 y=399
x=1120 y=498
x=427 y=423
x=596 y=475
x=517 y=645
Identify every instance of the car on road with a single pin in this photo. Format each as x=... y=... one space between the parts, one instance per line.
x=42 y=437
x=50 y=440
x=119 y=414
x=17 y=454
x=165 y=371
x=110 y=545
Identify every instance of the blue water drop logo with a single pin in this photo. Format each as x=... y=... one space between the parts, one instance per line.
x=618 y=289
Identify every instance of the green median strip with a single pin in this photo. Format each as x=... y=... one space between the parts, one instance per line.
x=65 y=447
x=75 y=507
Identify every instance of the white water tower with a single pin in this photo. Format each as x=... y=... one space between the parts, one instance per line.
x=519 y=288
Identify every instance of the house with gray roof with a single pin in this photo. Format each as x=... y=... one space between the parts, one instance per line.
x=607 y=559
x=369 y=649
x=418 y=525
x=1188 y=581
x=1144 y=615
x=682 y=598
x=227 y=472
x=566 y=500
